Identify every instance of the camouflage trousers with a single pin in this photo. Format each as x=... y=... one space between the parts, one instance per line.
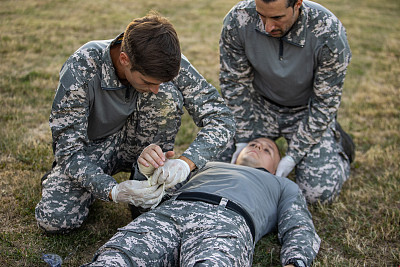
x=157 y=118
x=181 y=233
x=323 y=171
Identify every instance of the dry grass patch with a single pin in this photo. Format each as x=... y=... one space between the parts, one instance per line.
x=362 y=228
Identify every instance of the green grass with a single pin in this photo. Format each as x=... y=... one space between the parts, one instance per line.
x=362 y=228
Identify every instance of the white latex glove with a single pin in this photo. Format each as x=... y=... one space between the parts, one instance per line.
x=151 y=203
x=137 y=193
x=148 y=172
x=173 y=172
x=239 y=148
x=285 y=166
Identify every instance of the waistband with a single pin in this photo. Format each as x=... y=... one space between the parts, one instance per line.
x=299 y=107
x=214 y=199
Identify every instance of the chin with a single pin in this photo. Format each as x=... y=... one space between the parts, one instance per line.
x=248 y=163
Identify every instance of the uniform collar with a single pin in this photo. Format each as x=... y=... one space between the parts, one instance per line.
x=262 y=169
x=297 y=34
x=109 y=76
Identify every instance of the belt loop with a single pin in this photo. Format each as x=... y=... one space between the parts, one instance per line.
x=223 y=202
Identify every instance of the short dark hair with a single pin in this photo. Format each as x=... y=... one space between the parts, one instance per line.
x=152 y=46
x=290 y=3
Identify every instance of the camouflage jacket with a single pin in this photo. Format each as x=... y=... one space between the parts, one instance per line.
x=90 y=70
x=307 y=66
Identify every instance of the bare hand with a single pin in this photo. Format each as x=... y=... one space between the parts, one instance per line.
x=153 y=155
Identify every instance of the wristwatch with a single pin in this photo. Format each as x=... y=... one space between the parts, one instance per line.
x=296 y=262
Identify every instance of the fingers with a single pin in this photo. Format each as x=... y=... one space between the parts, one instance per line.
x=174 y=180
x=154 y=178
x=160 y=175
x=172 y=176
x=170 y=185
x=137 y=192
x=153 y=155
x=174 y=171
x=153 y=199
x=155 y=194
x=169 y=154
x=148 y=191
x=164 y=174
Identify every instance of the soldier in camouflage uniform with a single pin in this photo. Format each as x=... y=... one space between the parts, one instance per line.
x=216 y=218
x=283 y=64
x=114 y=98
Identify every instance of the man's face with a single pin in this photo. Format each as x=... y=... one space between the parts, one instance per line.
x=277 y=17
x=142 y=83
x=261 y=152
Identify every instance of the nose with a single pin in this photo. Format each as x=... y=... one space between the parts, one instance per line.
x=258 y=146
x=154 y=88
x=269 y=25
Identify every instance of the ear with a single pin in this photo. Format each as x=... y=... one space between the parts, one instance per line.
x=298 y=3
x=124 y=59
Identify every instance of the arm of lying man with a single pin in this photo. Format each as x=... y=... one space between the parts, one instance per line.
x=296 y=230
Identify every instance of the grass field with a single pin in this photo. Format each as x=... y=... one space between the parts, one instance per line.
x=362 y=228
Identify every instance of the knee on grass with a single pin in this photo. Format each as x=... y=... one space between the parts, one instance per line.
x=57 y=223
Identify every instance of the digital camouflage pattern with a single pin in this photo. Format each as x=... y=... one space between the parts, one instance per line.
x=183 y=233
x=297 y=234
x=180 y=233
x=100 y=126
x=316 y=52
x=322 y=172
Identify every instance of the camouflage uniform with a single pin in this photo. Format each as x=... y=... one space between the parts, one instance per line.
x=186 y=233
x=100 y=126
x=291 y=87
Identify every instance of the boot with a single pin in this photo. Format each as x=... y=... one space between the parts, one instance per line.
x=347 y=143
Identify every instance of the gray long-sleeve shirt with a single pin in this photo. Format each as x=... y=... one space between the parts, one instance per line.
x=307 y=66
x=272 y=202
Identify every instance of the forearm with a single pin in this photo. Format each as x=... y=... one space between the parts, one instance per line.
x=297 y=234
x=88 y=175
x=323 y=106
x=209 y=112
x=236 y=78
x=238 y=98
x=211 y=140
x=191 y=164
x=68 y=122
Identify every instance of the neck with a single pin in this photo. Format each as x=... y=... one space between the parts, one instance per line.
x=114 y=53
